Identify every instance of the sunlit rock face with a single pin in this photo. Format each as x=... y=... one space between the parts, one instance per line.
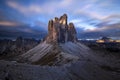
x=60 y=31
x=63 y=19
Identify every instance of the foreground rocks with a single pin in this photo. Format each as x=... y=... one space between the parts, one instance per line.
x=82 y=70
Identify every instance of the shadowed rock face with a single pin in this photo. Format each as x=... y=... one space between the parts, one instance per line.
x=60 y=31
x=71 y=32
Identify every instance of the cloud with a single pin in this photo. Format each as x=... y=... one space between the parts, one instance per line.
x=105 y=26
x=97 y=23
x=15 y=29
x=109 y=20
x=41 y=25
x=112 y=17
x=110 y=30
x=9 y=23
x=36 y=8
x=76 y=20
x=25 y=10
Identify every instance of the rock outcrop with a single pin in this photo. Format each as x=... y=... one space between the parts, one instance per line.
x=60 y=31
x=9 y=48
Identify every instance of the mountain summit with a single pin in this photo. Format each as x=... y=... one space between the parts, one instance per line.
x=59 y=47
x=60 y=31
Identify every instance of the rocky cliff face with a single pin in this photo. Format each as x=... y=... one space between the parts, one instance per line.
x=60 y=31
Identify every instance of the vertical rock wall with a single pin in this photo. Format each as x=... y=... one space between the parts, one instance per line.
x=60 y=31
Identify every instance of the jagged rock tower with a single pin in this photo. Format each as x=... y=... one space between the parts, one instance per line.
x=60 y=31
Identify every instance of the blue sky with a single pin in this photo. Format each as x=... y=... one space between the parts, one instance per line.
x=29 y=18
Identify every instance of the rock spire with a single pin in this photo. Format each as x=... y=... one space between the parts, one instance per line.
x=59 y=31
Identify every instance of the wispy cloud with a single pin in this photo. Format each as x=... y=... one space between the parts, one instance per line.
x=15 y=29
x=36 y=8
x=25 y=10
x=9 y=23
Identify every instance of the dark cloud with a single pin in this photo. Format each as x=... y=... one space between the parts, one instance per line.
x=105 y=23
x=10 y=29
x=110 y=30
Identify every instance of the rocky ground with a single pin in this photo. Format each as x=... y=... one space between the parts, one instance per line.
x=89 y=66
x=9 y=48
x=110 y=56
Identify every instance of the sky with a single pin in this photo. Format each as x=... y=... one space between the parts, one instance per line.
x=29 y=18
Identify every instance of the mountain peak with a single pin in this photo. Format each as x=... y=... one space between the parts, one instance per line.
x=52 y=51
x=59 y=31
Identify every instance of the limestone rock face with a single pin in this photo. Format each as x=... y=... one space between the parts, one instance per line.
x=63 y=19
x=60 y=31
x=71 y=32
